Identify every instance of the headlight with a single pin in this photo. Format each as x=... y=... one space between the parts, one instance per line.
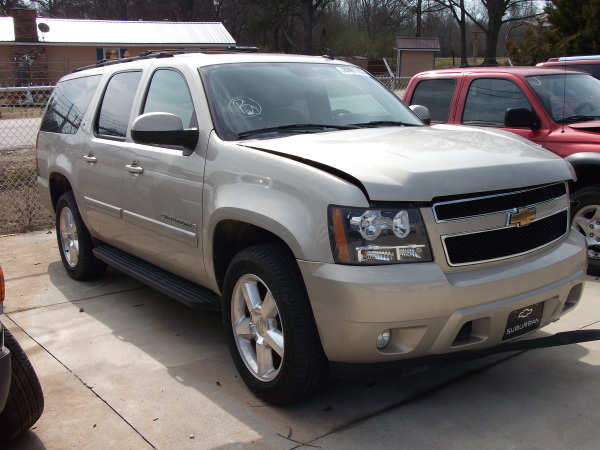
x=377 y=235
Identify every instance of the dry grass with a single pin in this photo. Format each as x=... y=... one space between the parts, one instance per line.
x=12 y=112
x=446 y=63
x=20 y=208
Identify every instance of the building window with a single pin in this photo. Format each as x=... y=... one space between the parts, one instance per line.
x=111 y=53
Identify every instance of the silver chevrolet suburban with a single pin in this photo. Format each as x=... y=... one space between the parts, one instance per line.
x=298 y=195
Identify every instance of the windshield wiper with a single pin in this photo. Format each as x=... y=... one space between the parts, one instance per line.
x=575 y=119
x=385 y=123
x=295 y=128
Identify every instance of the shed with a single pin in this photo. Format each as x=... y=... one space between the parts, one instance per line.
x=39 y=50
x=416 y=54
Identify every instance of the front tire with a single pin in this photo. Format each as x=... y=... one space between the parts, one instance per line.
x=586 y=218
x=75 y=242
x=25 y=402
x=270 y=327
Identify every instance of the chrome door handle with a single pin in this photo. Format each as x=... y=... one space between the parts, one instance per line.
x=134 y=168
x=90 y=158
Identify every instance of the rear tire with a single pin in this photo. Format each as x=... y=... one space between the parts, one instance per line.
x=75 y=242
x=270 y=327
x=25 y=402
x=586 y=219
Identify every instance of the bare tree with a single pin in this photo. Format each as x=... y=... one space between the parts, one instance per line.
x=378 y=17
x=457 y=9
x=500 y=12
x=7 y=5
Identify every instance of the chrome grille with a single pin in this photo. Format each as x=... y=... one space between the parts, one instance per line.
x=458 y=209
x=484 y=228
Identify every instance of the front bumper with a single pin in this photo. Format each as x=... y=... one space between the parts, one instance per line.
x=5 y=370
x=427 y=309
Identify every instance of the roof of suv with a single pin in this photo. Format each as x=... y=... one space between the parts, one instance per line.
x=520 y=71
x=202 y=59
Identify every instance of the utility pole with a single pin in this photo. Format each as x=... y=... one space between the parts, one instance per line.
x=475 y=45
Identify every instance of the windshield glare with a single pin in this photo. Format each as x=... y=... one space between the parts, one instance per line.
x=568 y=97
x=247 y=97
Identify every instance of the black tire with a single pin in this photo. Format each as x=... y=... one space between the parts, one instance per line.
x=586 y=219
x=75 y=243
x=296 y=364
x=25 y=402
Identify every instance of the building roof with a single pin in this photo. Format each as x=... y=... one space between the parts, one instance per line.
x=132 y=33
x=418 y=43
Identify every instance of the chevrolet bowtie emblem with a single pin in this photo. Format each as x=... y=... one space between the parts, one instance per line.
x=522 y=217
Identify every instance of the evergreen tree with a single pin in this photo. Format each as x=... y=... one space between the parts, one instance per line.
x=575 y=27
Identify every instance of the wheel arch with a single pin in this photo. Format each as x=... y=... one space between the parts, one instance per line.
x=59 y=184
x=233 y=236
x=586 y=167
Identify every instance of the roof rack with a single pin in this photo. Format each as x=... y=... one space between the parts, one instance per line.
x=154 y=54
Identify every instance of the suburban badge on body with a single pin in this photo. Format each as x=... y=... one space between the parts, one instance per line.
x=176 y=221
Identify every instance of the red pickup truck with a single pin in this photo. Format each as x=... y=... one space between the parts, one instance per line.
x=558 y=109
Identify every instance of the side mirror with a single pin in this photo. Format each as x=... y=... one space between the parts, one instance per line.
x=521 y=118
x=166 y=129
x=422 y=113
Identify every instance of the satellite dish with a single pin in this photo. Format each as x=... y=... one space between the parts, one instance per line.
x=43 y=27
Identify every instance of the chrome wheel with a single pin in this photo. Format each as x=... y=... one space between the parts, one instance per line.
x=257 y=327
x=75 y=243
x=69 y=237
x=587 y=220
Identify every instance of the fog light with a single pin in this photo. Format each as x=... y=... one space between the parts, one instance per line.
x=383 y=339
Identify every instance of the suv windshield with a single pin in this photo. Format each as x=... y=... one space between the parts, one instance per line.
x=568 y=98
x=266 y=100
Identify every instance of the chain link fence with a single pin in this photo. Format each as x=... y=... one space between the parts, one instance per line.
x=20 y=114
x=395 y=84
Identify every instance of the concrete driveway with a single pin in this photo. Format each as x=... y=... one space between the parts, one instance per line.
x=123 y=366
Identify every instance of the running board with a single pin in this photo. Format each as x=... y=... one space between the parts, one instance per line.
x=187 y=292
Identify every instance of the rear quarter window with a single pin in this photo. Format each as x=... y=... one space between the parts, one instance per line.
x=436 y=95
x=68 y=104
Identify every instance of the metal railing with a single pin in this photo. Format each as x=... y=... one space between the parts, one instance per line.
x=21 y=109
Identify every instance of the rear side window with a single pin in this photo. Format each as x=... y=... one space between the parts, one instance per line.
x=117 y=101
x=436 y=95
x=68 y=104
x=489 y=98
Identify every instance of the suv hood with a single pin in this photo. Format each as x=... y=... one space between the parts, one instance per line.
x=421 y=163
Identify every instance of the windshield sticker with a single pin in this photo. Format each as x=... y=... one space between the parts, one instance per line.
x=244 y=106
x=350 y=70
